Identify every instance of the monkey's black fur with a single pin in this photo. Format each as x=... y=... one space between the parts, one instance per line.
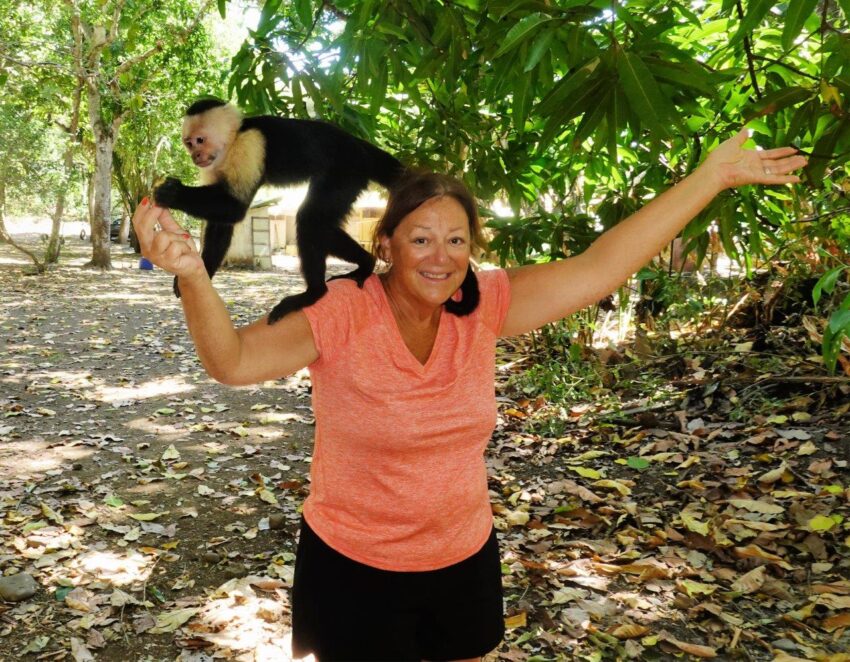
x=338 y=166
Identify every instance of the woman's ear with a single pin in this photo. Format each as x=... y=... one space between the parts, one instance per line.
x=384 y=251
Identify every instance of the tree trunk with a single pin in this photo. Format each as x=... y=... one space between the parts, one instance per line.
x=54 y=245
x=4 y=234
x=102 y=181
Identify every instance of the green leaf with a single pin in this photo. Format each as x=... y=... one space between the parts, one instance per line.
x=304 y=9
x=221 y=8
x=521 y=31
x=113 y=501
x=756 y=11
x=824 y=151
x=61 y=592
x=538 y=49
x=821 y=523
x=839 y=322
x=826 y=283
x=777 y=100
x=845 y=7
x=644 y=95
x=795 y=17
x=638 y=463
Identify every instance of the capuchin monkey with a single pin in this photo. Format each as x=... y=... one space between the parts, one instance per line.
x=237 y=155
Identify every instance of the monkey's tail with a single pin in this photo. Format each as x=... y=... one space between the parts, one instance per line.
x=386 y=169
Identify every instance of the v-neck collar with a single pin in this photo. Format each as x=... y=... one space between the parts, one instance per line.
x=400 y=347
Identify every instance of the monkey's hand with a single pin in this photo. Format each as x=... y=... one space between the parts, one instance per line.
x=167 y=193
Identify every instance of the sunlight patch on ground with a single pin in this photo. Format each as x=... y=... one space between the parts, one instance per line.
x=247 y=614
x=156 y=388
x=116 y=568
x=29 y=456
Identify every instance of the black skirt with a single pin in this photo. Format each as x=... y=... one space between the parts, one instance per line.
x=345 y=610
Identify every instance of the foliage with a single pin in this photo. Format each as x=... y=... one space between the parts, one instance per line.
x=536 y=102
x=838 y=326
x=571 y=114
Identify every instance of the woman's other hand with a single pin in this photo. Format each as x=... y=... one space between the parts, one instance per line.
x=731 y=165
x=165 y=243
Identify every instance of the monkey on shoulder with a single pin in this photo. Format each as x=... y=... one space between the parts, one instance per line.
x=237 y=155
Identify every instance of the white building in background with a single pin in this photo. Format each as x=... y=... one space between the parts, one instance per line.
x=269 y=227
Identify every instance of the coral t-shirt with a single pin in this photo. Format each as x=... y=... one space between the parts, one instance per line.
x=398 y=475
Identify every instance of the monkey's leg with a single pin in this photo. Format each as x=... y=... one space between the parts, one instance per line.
x=343 y=245
x=312 y=251
x=328 y=202
x=215 y=242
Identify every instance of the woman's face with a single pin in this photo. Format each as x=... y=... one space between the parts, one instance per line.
x=429 y=251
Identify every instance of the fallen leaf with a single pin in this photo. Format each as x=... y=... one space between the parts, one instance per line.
x=516 y=621
x=171 y=620
x=622 y=488
x=147 y=517
x=757 y=506
x=693 y=524
x=629 y=631
x=79 y=651
x=756 y=552
x=821 y=523
x=584 y=472
x=693 y=588
x=751 y=581
x=691 y=649
x=833 y=623
x=171 y=453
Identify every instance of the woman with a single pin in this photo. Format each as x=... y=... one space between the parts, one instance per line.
x=397 y=558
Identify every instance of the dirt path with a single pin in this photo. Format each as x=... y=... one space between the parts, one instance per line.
x=157 y=509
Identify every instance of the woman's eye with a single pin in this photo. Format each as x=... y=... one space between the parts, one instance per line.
x=419 y=240
x=457 y=241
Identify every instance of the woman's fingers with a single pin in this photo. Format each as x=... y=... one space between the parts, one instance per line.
x=783 y=166
x=778 y=152
x=144 y=219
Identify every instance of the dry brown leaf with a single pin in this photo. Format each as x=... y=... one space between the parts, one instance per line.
x=841 y=620
x=691 y=649
x=516 y=621
x=774 y=475
x=756 y=506
x=834 y=601
x=756 y=552
x=629 y=631
x=750 y=582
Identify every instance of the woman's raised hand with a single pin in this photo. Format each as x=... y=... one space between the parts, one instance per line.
x=165 y=243
x=732 y=165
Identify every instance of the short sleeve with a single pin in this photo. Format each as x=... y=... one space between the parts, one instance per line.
x=495 y=288
x=331 y=318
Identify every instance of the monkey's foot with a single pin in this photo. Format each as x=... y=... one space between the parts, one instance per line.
x=359 y=276
x=292 y=303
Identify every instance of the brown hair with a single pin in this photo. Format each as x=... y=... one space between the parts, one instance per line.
x=416 y=187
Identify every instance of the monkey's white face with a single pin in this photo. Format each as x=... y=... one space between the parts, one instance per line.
x=430 y=251
x=208 y=135
x=200 y=144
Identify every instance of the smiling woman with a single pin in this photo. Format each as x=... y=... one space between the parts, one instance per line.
x=397 y=558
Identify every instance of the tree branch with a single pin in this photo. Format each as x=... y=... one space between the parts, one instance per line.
x=179 y=38
x=749 y=51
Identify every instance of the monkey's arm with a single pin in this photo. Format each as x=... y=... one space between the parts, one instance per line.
x=214 y=203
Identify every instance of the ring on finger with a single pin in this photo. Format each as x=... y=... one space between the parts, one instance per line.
x=157 y=227
x=767 y=171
